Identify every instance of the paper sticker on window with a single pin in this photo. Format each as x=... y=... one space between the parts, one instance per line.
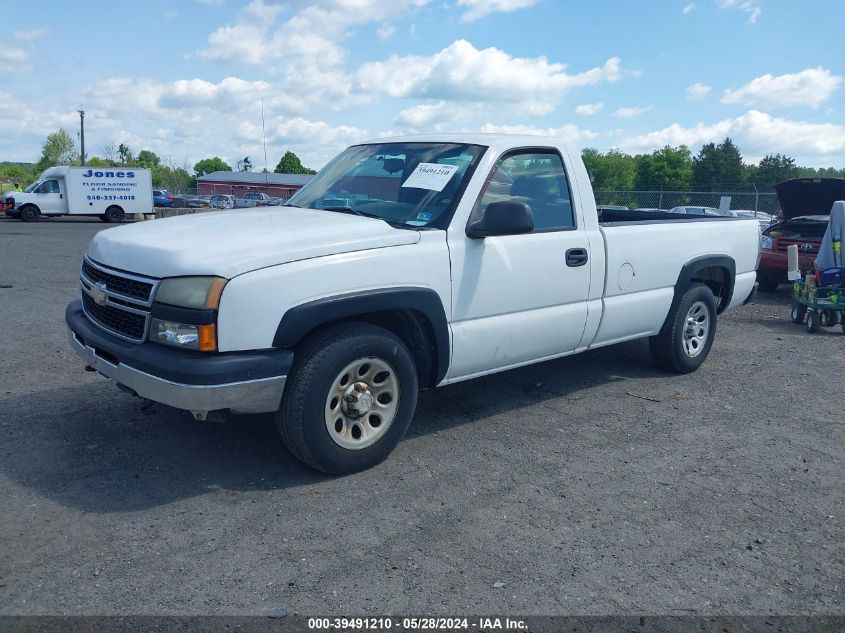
x=430 y=176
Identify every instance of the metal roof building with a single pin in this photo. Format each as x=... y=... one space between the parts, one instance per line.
x=238 y=182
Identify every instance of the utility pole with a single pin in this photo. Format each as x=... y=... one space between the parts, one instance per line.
x=81 y=137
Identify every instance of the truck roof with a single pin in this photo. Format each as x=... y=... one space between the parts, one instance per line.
x=498 y=142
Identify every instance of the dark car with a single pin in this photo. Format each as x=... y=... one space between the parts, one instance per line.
x=805 y=206
x=161 y=198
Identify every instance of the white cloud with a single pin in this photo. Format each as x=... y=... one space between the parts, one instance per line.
x=811 y=87
x=688 y=8
x=750 y=7
x=314 y=33
x=570 y=133
x=477 y=9
x=425 y=114
x=385 y=31
x=589 y=109
x=462 y=72
x=757 y=133
x=631 y=112
x=698 y=91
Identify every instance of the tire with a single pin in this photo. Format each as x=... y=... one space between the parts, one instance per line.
x=767 y=284
x=113 y=215
x=316 y=420
x=843 y=324
x=30 y=213
x=799 y=311
x=680 y=348
x=814 y=321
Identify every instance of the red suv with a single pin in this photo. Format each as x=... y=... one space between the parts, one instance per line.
x=805 y=206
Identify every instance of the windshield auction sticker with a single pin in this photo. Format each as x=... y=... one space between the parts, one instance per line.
x=430 y=176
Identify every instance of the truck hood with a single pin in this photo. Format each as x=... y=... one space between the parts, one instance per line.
x=809 y=196
x=229 y=243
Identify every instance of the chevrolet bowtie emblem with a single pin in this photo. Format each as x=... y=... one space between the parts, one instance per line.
x=98 y=293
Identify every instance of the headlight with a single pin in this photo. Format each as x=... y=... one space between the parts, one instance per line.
x=200 y=293
x=202 y=338
x=766 y=242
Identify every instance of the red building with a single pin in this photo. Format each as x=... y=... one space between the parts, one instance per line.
x=239 y=182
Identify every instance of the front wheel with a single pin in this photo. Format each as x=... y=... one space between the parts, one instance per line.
x=685 y=340
x=814 y=321
x=349 y=399
x=799 y=311
x=30 y=213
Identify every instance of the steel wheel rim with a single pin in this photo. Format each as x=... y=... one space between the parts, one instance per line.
x=362 y=403
x=696 y=329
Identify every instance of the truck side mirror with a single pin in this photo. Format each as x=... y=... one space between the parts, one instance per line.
x=508 y=217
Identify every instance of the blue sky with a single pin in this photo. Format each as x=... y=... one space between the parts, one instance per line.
x=186 y=78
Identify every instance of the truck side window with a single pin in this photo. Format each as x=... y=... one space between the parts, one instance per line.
x=49 y=186
x=536 y=177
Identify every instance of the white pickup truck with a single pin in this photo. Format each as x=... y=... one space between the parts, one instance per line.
x=405 y=264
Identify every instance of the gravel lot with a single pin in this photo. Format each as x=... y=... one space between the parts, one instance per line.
x=588 y=485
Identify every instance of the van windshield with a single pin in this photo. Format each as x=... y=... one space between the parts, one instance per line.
x=406 y=184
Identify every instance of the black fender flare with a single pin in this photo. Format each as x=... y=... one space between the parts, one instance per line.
x=299 y=320
x=689 y=270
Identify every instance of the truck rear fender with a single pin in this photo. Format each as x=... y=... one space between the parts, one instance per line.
x=716 y=271
x=415 y=315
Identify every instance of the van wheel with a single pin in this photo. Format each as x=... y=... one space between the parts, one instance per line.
x=349 y=399
x=112 y=215
x=30 y=213
x=685 y=340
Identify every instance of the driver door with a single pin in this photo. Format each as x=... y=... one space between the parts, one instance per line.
x=520 y=298
x=51 y=197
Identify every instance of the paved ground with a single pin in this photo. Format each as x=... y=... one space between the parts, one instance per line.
x=593 y=484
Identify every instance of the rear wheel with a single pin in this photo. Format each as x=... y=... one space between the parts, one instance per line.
x=349 y=399
x=30 y=213
x=685 y=340
x=112 y=215
x=799 y=311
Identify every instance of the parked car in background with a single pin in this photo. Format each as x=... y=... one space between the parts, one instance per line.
x=805 y=204
x=765 y=219
x=197 y=202
x=257 y=199
x=222 y=201
x=162 y=198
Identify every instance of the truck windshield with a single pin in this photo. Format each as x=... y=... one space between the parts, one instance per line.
x=410 y=184
x=32 y=187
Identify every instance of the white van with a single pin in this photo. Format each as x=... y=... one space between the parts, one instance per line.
x=107 y=192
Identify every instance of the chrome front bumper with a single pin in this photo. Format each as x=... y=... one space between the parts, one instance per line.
x=239 y=382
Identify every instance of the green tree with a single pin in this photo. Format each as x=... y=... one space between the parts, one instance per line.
x=718 y=167
x=210 y=165
x=613 y=171
x=126 y=157
x=667 y=168
x=148 y=159
x=290 y=164
x=774 y=169
x=58 y=149
x=245 y=164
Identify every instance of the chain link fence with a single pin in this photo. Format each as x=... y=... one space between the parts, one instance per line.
x=665 y=200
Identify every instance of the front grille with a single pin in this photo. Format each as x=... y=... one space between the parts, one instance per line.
x=127 y=324
x=118 y=284
x=116 y=301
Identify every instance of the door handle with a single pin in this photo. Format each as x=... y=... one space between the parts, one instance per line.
x=576 y=257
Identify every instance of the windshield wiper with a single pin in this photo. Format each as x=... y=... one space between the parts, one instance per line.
x=352 y=211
